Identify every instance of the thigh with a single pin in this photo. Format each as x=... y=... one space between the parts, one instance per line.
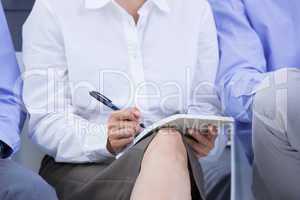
x=67 y=178
x=110 y=180
x=276 y=138
x=18 y=183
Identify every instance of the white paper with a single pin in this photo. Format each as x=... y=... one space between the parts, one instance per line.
x=184 y=121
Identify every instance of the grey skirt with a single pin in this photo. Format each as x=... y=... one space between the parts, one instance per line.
x=111 y=179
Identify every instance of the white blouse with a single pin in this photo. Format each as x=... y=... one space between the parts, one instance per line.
x=165 y=63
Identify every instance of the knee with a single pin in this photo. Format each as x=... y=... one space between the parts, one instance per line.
x=278 y=97
x=288 y=79
x=169 y=145
x=293 y=88
x=170 y=140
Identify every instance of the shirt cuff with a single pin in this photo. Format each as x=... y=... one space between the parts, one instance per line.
x=95 y=144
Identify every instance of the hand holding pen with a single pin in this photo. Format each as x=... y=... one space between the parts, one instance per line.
x=123 y=125
x=107 y=102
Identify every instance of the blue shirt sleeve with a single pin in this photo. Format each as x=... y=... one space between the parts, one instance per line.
x=11 y=115
x=242 y=60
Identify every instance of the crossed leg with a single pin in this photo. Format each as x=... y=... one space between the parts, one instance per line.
x=164 y=171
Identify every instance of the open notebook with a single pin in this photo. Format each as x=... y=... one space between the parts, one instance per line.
x=184 y=121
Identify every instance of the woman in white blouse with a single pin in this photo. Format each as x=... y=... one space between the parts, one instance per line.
x=152 y=58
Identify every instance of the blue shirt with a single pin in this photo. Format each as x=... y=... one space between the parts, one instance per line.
x=11 y=114
x=255 y=37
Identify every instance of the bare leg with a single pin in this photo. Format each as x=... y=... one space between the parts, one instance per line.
x=164 y=171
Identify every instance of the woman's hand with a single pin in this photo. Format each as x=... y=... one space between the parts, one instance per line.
x=202 y=142
x=123 y=126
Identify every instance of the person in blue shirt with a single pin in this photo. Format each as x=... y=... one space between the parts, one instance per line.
x=259 y=84
x=16 y=182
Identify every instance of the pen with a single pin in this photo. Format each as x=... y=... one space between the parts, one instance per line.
x=107 y=102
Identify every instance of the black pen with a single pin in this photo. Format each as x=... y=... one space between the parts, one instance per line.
x=107 y=102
